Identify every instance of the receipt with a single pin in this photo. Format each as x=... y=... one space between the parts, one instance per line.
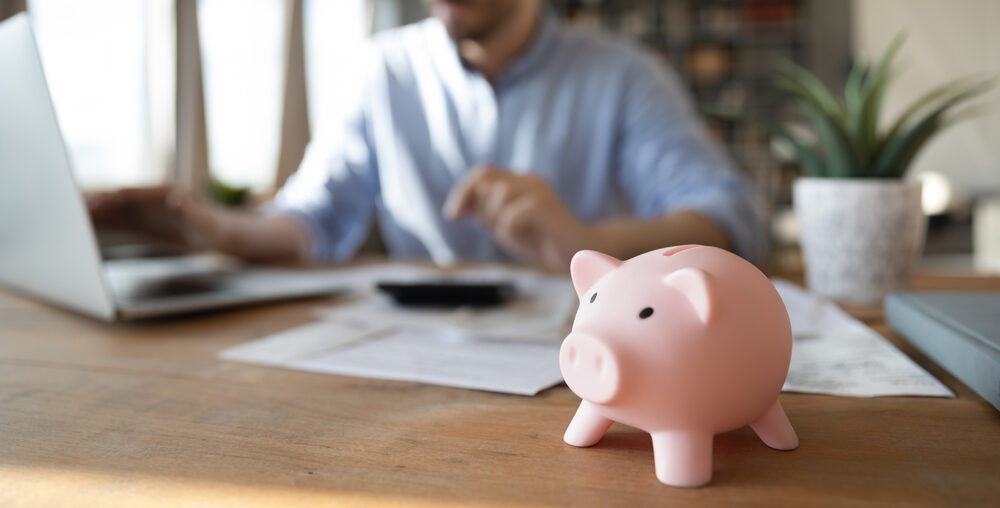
x=835 y=354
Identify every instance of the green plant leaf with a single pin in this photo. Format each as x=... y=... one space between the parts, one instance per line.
x=925 y=101
x=906 y=149
x=852 y=90
x=807 y=156
x=838 y=149
x=826 y=116
x=873 y=93
x=852 y=94
x=900 y=150
x=862 y=125
x=849 y=140
x=801 y=82
x=941 y=124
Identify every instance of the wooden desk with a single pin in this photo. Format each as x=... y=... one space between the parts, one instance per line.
x=131 y=414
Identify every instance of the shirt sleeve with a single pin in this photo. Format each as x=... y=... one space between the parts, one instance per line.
x=334 y=189
x=667 y=163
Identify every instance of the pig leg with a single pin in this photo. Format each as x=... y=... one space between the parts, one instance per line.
x=774 y=429
x=587 y=427
x=683 y=458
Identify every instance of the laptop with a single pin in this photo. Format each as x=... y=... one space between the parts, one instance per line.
x=48 y=247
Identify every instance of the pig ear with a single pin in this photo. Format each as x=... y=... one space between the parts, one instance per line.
x=697 y=287
x=587 y=267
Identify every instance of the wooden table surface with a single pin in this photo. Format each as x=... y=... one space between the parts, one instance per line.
x=145 y=414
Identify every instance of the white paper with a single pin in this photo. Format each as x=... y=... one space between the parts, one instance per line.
x=449 y=359
x=513 y=348
x=428 y=355
x=836 y=354
x=540 y=312
x=285 y=348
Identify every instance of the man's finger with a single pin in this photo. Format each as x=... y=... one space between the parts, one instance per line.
x=200 y=220
x=494 y=198
x=462 y=198
x=110 y=206
x=518 y=226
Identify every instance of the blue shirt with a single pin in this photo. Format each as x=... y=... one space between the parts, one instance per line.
x=609 y=129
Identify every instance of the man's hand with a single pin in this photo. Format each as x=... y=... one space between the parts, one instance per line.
x=523 y=214
x=528 y=219
x=160 y=214
x=172 y=217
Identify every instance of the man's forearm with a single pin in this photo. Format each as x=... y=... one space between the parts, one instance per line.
x=625 y=238
x=266 y=239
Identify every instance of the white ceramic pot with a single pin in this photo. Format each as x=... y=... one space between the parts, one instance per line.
x=861 y=238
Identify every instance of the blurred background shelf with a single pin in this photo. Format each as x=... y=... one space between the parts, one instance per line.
x=725 y=51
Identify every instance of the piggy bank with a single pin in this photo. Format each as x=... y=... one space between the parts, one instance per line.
x=684 y=343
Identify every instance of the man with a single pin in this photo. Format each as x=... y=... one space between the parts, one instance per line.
x=489 y=131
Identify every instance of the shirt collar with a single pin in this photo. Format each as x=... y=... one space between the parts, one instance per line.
x=549 y=27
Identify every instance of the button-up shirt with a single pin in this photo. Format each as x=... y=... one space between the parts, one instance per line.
x=607 y=126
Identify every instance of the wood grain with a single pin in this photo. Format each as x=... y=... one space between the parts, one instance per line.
x=125 y=414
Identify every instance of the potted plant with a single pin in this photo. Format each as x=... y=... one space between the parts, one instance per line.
x=862 y=227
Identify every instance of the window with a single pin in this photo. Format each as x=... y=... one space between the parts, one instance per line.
x=334 y=32
x=109 y=66
x=243 y=64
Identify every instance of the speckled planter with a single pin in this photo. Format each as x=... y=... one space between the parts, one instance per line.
x=861 y=238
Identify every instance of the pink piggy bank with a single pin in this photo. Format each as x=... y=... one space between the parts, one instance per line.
x=684 y=343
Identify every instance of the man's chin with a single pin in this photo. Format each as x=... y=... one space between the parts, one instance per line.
x=458 y=33
x=457 y=18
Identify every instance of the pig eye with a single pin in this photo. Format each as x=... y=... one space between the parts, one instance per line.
x=645 y=313
x=593 y=297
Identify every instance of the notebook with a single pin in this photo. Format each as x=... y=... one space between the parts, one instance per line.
x=959 y=331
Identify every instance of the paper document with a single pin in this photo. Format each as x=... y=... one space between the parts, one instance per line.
x=836 y=354
x=539 y=313
x=425 y=355
x=513 y=348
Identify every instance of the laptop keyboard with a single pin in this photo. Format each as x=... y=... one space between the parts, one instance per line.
x=135 y=280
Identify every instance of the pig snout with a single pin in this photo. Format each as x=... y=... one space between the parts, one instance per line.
x=590 y=368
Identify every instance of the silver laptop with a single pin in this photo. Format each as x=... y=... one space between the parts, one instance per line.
x=48 y=247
